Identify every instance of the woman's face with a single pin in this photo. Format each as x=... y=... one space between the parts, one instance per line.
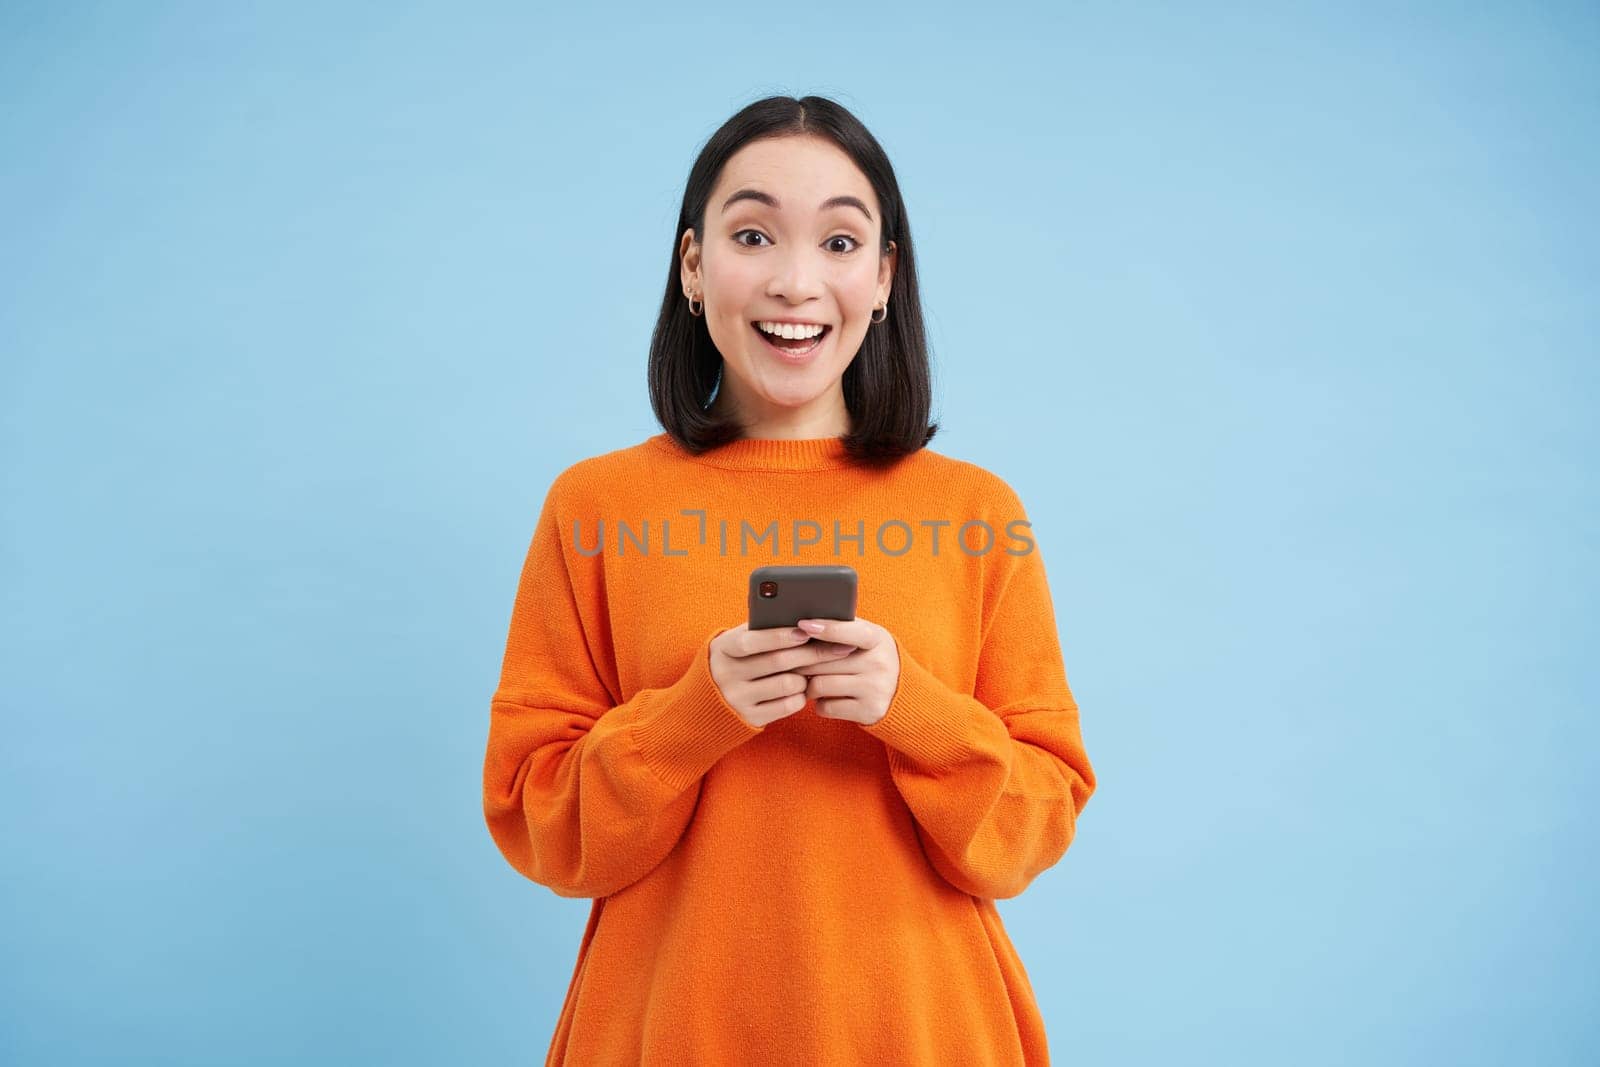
x=792 y=232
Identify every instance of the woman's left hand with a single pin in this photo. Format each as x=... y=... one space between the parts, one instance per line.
x=856 y=687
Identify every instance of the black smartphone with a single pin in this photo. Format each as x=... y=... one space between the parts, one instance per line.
x=782 y=596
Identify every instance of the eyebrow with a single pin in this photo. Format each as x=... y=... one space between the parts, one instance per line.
x=772 y=201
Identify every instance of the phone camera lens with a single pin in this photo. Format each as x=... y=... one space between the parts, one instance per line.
x=769 y=589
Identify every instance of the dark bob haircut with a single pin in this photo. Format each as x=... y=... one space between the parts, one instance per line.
x=887 y=386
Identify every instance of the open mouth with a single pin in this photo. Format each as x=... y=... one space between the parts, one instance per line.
x=793 y=348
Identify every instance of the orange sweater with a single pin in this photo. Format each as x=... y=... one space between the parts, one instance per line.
x=814 y=891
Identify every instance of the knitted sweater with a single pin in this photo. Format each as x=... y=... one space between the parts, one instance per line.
x=813 y=891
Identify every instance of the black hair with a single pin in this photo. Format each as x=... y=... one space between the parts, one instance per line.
x=887 y=387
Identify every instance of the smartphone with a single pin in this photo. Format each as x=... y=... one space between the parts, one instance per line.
x=782 y=596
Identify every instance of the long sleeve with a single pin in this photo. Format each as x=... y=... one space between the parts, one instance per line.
x=995 y=780
x=583 y=793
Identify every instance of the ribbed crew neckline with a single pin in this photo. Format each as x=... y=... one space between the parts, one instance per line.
x=767 y=453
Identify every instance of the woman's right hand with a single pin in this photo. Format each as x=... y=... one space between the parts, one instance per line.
x=750 y=667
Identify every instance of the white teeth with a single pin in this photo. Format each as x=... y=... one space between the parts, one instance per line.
x=789 y=330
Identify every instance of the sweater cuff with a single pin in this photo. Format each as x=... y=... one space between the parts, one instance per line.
x=691 y=725
x=933 y=724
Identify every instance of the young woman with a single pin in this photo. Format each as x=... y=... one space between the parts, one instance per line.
x=793 y=838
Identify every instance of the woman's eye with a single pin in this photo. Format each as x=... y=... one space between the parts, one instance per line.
x=854 y=244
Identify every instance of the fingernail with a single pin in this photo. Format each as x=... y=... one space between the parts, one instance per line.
x=812 y=627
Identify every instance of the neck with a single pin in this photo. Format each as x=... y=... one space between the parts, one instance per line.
x=826 y=416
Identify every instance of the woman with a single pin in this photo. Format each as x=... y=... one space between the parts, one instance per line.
x=793 y=838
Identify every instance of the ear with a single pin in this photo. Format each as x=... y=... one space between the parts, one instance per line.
x=886 y=268
x=689 y=256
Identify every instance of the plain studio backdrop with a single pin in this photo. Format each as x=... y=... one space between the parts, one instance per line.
x=1282 y=324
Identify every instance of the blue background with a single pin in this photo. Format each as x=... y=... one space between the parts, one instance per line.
x=1283 y=326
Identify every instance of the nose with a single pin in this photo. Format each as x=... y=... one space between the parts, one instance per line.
x=797 y=277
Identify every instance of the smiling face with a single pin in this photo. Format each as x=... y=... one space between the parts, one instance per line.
x=792 y=232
